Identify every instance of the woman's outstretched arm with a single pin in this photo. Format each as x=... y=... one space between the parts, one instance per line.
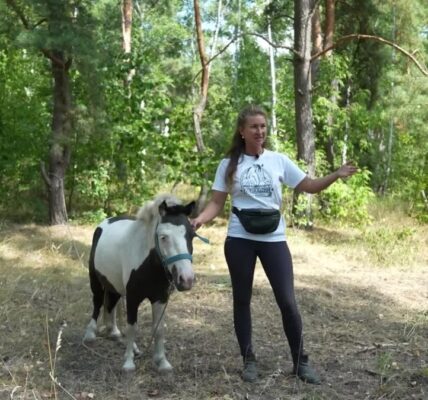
x=316 y=185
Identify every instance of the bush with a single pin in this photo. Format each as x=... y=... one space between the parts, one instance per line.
x=91 y=217
x=346 y=202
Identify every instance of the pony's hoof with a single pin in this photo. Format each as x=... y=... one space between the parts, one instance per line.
x=89 y=337
x=115 y=335
x=163 y=366
x=128 y=367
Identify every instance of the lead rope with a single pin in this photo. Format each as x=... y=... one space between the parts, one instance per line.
x=171 y=284
x=170 y=290
x=204 y=239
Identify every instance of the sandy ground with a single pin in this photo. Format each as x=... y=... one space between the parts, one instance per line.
x=365 y=326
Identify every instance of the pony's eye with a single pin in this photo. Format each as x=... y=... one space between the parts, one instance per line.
x=163 y=238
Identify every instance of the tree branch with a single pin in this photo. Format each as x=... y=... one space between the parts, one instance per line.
x=274 y=45
x=358 y=36
x=40 y=22
x=234 y=39
x=27 y=25
x=218 y=54
x=19 y=13
x=202 y=54
x=48 y=54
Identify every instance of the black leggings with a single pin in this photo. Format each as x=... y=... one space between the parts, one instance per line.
x=275 y=257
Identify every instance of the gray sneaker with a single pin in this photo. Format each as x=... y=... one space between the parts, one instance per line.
x=249 y=373
x=306 y=373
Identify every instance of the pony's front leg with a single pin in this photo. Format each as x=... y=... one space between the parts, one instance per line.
x=129 y=364
x=158 y=331
x=91 y=331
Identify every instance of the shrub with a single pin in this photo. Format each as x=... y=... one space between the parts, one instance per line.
x=347 y=201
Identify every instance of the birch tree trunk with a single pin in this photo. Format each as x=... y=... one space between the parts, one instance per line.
x=346 y=136
x=391 y=121
x=273 y=85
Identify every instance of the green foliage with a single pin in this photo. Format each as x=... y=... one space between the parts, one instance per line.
x=91 y=217
x=346 y=202
x=130 y=141
x=252 y=82
x=94 y=184
x=24 y=125
x=302 y=213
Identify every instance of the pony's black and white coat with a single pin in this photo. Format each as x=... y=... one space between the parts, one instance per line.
x=141 y=258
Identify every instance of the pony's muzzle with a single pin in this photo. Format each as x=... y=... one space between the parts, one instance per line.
x=182 y=281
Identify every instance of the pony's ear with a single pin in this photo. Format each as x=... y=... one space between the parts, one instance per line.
x=188 y=209
x=162 y=208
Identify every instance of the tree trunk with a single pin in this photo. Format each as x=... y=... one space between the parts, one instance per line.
x=202 y=100
x=303 y=97
x=273 y=84
x=316 y=43
x=127 y=9
x=59 y=152
x=203 y=92
x=334 y=85
x=346 y=135
x=329 y=25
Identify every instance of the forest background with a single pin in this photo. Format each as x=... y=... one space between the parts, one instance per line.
x=103 y=104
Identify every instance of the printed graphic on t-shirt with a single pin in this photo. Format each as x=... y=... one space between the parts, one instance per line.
x=256 y=181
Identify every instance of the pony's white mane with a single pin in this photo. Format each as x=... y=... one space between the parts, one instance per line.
x=149 y=212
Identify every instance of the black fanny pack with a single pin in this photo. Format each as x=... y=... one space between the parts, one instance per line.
x=256 y=220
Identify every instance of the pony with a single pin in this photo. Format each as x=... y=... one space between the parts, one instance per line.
x=141 y=258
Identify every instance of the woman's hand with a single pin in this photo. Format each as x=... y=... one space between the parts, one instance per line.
x=212 y=209
x=196 y=223
x=346 y=170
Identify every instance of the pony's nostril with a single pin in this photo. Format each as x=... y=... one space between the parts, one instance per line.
x=184 y=284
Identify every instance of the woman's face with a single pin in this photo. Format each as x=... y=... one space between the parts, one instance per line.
x=254 y=132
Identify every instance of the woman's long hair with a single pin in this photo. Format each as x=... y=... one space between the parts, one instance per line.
x=238 y=143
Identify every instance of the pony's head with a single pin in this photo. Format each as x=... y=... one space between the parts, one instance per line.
x=173 y=237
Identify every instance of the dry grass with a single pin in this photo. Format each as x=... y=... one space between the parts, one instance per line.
x=366 y=326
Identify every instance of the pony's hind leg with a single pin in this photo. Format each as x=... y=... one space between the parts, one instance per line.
x=132 y=303
x=110 y=306
x=158 y=332
x=97 y=300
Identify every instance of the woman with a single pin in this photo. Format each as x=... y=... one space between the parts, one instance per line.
x=253 y=176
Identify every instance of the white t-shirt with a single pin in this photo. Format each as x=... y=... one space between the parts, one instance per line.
x=257 y=184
